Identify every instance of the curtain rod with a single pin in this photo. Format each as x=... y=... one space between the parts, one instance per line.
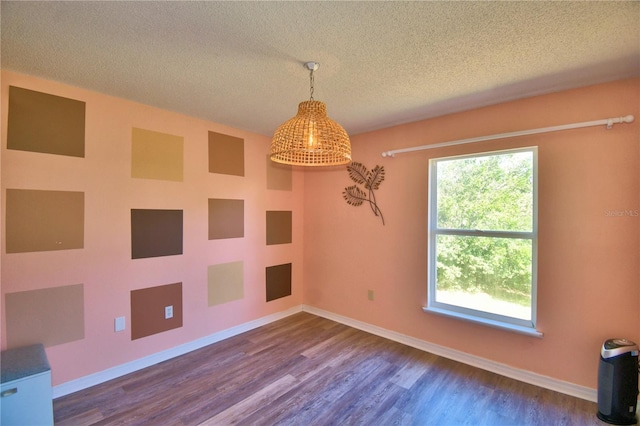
x=609 y=122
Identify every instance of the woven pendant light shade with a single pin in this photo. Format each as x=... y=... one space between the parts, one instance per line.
x=311 y=139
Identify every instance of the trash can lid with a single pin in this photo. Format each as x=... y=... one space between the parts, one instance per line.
x=615 y=347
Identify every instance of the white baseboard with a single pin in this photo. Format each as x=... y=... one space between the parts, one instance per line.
x=138 y=364
x=485 y=364
x=465 y=358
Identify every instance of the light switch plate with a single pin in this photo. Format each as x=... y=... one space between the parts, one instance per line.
x=120 y=324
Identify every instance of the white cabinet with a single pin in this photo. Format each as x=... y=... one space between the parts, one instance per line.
x=25 y=390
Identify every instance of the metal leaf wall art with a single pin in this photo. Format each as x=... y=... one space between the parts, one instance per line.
x=371 y=179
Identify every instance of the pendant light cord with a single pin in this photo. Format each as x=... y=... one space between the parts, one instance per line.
x=311 y=83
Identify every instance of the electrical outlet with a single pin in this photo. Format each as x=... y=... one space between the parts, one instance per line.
x=119 y=324
x=168 y=312
x=370 y=295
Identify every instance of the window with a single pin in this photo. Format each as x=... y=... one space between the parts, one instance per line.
x=483 y=238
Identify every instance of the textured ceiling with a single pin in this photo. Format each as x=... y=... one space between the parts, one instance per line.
x=381 y=63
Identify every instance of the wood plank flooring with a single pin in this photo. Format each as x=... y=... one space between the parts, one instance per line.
x=308 y=370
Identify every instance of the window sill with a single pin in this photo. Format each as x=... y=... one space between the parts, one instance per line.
x=484 y=321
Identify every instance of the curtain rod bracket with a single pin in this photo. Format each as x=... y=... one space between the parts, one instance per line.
x=626 y=119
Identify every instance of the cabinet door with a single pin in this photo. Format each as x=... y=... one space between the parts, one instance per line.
x=27 y=401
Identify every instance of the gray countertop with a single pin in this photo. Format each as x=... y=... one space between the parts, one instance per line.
x=23 y=362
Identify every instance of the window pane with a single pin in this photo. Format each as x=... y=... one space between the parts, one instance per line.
x=485 y=274
x=493 y=192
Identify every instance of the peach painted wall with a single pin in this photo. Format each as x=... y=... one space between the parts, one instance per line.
x=588 y=264
x=105 y=266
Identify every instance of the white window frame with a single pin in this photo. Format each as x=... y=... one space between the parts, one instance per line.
x=487 y=318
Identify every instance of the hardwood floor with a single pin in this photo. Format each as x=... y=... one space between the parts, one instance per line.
x=308 y=370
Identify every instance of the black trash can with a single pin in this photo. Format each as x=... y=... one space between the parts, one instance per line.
x=618 y=382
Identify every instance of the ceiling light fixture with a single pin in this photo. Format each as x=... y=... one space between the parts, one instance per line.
x=311 y=138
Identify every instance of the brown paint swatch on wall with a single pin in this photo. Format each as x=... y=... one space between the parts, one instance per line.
x=50 y=316
x=155 y=233
x=44 y=220
x=156 y=155
x=225 y=282
x=148 y=310
x=278 y=227
x=226 y=154
x=278 y=281
x=40 y=122
x=279 y=176
x=226 y=218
